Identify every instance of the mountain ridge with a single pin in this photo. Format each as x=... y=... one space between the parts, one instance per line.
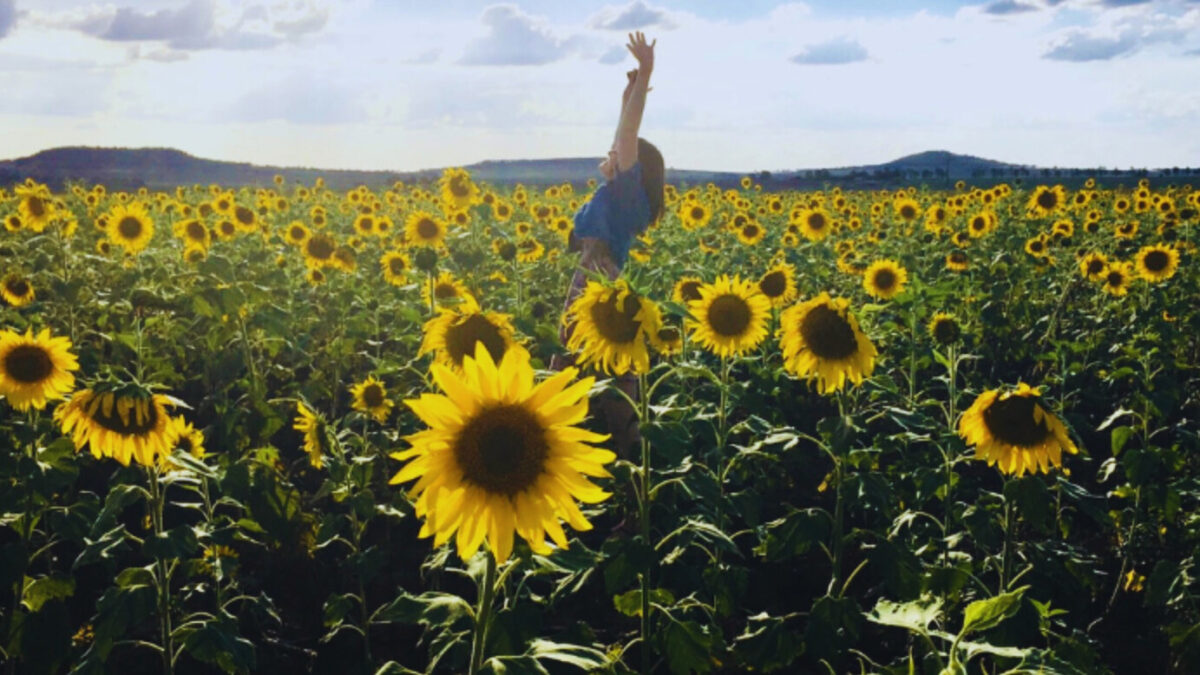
x=161 y=168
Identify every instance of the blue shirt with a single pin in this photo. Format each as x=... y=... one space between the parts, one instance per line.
x=616 y=213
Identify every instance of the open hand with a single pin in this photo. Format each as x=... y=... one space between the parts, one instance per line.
x=642 y=51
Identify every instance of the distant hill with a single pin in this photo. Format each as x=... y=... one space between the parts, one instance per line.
x=163 y=168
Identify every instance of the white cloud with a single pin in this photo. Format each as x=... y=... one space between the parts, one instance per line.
x=833 y=52
x=515 y=38
x=635 y=16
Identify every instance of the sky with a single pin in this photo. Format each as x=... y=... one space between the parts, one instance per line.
x=737 y=86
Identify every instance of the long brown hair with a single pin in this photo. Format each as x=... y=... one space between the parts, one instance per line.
x=653 y=177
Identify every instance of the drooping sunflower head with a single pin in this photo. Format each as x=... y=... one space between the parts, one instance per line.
x=667 y=340
x=183 y=438
x=502 y=456
x=944 y=328
x=609 y=328
x=1014 y=433
x=370 y=397
x=16 y=289
x=452 y=335
x=779 y=284
x=821 y=341
x=312 y=425
x=957 y=261
x=1157 y=262
x=35 y=369
x=885 y=279
x=730 y=317
x=124 y=423
x=687 y=289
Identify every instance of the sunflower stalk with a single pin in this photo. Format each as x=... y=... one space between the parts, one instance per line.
x=483 y=615
x=163 y=576
x=644 y=518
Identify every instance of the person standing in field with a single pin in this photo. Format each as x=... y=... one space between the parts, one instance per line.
x=628 y=202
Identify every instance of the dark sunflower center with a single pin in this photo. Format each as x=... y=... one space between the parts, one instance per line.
x=28 y=364
x=462 y=337
x=729 y=315
x=958 y=258
x=617 y=325
x=689 y=290
x=320 y=248
x=396 y=265
x=884 y=279
x=502 y=450
x=1115 y=278
x=1011 y=421
x=773 y=284
x=977 y=223
x=206 y=210
x=907 y=211
x=196 y=231
x=37 y=207
x=946 y=331
x=227 y=228
x=366 y=224
x=373 y=396
x=1156 y=261
x=244 y=215
x=458 y=188
x=132 y=427
x=130 y=227
x=828 y=334
x=816 y=221
x=427 y=229
x=1047 y=199
x=697 y=213
x=1095 y=266
x=184 y=444
x=1036 y=247
x=669 y=334
x=444 y=291
x=296 y=233
x=18 y=287
x=750 y=230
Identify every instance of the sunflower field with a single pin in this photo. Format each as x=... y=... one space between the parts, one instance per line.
x=292 y=429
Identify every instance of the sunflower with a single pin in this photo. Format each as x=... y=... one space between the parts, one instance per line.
x=13 y=223
x=458 y=192
x=530 y=250
x=319 y=250
x=16 y=290
x=502 y=455
x=1036 y=246
x=244 y=218
x=130 y=227
x=884 y=279
x=119 y=424
x=194 y=255
x=422 y=229
x=610 y=328
x=1116 y=278
x=184 y=438
x=981 y=223
x=906 y=209
x=730 y=318
x=194 y=234
x=364 y=224
x=1092 y=266
x=452 y=335
x=667 y=340
x=370 y=397
x=815 y=224
x=447 y=290
x=1126 y=230
x=751 y=233
x=35 y=208
x=944 y=328
x=687 y=289
x=956 y=261
x=820 y=340
x=779 y=284
x=1046 y=201
x=1012 y=432
x=693 y=215
x=344 y=259
x=295 y=233
x=103 y=246
x=395 y=267
x=34 y=370
x=312 y=425
x=1156 y=263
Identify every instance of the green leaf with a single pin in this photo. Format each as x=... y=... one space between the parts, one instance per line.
x=983 y=615
x=767 y=645
x=429 y=608
x=630 y=604
x=39 y=591
x=914 y=615
x=176 y=543
x=1117 y=414
x=1120 y=436
x=688 y=646
x=794 y=534
x=584 y=658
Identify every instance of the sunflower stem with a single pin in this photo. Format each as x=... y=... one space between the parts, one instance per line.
x=483 y=616
x=1006 y=554
x=163 y=578
x=644 y=518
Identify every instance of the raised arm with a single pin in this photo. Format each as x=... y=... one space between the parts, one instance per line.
x=631 y=113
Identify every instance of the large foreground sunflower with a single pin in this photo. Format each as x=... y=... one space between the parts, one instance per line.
x=34 y=370
x=1012 y=432
x=118 y=424
x=502 y=456
x=611 y=325
x=730 y=318
x=820 y=340
x=130 y=227
x=452 y=335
